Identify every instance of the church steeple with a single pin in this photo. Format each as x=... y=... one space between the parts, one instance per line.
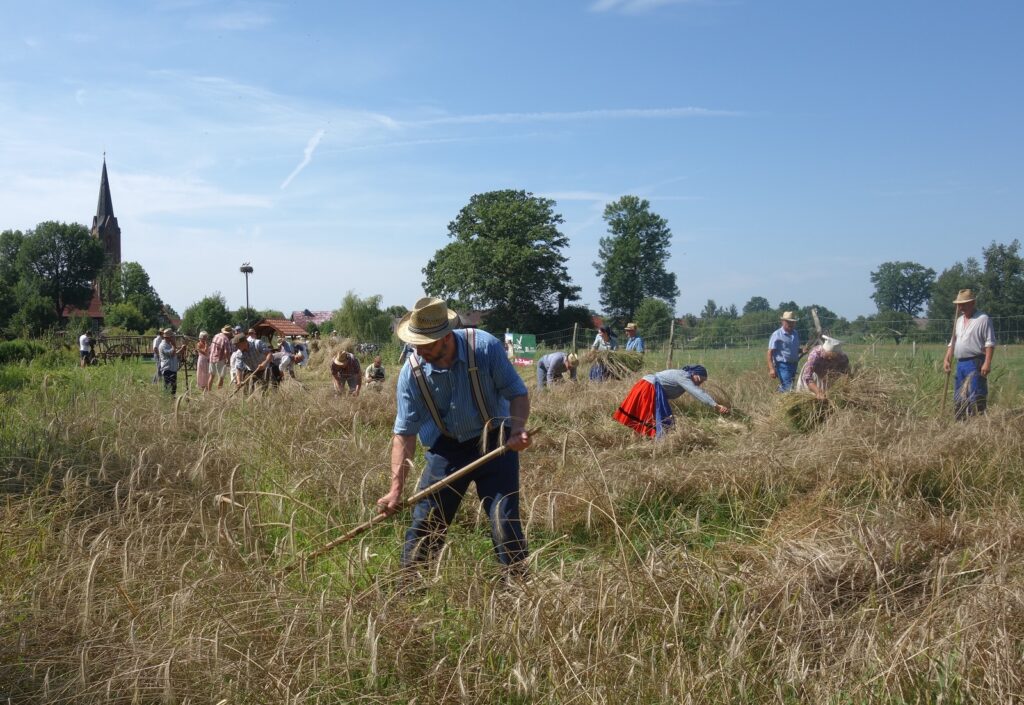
x=104 y=224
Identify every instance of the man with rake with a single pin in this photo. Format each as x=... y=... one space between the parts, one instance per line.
x=646 y=409
x=973 y=343
x=460 y=394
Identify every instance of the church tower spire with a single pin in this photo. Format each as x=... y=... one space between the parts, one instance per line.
x=104 y=224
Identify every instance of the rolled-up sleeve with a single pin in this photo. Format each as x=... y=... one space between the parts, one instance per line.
x=507 y=382
x=411 y=408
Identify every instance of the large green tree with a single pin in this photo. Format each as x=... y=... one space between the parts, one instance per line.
x=362 y=319
x=653 y=317
x=631 y=260
x=209 y=313
x=62 y=259
x=902 y=286
x=129 y=283
x=125 y=315
x=505 y=256
x=757 y=304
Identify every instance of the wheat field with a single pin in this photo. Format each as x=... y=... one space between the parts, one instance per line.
x=873 y=556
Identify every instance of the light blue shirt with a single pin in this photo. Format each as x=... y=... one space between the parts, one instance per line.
x=675 y=382
x=551 y=367
x=168 y=357
x=636 y=343
x=453 y=394
x=785 y=346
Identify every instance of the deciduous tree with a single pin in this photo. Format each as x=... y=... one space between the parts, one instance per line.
x=633 y=257
x=62 y=259
x=505 y=256
x=362 y=319
x=209 y=313
x=902 y=286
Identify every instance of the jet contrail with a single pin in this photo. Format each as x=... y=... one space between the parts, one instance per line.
x=307 y=157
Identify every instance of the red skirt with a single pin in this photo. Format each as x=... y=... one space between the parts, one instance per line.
x=637 y=411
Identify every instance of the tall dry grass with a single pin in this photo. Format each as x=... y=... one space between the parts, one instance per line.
x=872 y=558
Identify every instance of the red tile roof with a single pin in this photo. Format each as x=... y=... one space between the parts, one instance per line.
x=305 y=317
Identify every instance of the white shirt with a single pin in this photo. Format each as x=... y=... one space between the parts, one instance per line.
x=973 y=335
x=83 y=342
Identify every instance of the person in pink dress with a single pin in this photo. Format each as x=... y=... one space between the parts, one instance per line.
x=203 y=361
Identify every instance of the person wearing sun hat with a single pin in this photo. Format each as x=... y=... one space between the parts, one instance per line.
x=345 y=370
x=824 y=362
x=784 y=352
x=646 y=408
x=633 y=341
x=460 y=395
x=169 y=362
x=552 y=366
x=973 y=344
x=221 y=348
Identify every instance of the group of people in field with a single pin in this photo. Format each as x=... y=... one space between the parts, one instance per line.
x=247 y=359
x=460 y=396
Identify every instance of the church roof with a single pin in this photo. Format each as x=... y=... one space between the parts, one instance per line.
x=105 y=206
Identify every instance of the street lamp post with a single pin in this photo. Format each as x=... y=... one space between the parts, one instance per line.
x=246 y=269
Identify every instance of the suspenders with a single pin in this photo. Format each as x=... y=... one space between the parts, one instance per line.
x=474 y=382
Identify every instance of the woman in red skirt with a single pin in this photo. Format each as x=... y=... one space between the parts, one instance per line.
x=646 y=409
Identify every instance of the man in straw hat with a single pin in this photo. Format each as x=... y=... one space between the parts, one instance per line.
x=168 y=355
x=345 y=370
x=633 y=341
x=784 y=352
x=973 y=343
x=460 y=394
x=823 y=362
x=221 y=348
x=552 y=366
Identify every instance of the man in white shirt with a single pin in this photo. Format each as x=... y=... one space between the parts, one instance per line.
x=973 y=343
x=84 y=349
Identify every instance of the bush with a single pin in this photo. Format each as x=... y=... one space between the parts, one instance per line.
x=20 y=351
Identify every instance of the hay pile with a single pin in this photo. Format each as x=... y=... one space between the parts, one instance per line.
x=620 y=364
x=868 y=392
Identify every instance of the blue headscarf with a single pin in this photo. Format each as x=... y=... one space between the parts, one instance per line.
x=692 y=370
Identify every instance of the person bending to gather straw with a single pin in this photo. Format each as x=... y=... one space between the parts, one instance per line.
x=646 y=409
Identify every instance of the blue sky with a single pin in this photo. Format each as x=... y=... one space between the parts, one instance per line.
x=792 y=146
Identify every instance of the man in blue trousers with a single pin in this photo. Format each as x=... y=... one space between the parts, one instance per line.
x=784 y=352
x=973 y=343
x=460 y=394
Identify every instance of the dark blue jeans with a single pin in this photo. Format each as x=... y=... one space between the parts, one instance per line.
x=970 y=395
x=497 y=485
x=786 y=372
x=171 y=381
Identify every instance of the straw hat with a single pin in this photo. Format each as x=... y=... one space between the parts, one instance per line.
x=572 y=359
x=830 y=344
x=227 y=330
x=428 y=321
x=338 y=360
x=631 y=326
x=167 y=332
x=965 y=296
x=203 y=334
x=789 y=316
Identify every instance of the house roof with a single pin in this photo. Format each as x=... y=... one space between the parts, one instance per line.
x=305 y=317
x=281 y=326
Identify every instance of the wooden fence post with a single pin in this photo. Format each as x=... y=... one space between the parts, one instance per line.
x=671 y=337
x=575 y=327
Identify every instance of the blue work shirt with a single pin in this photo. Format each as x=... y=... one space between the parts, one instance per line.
x=453 y=393
x=636 y=343
x=785 y=346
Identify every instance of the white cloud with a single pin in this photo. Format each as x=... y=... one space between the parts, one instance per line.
x=566 y=116
x=307 y=157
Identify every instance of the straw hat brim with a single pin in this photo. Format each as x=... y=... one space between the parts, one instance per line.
x=408 y=336
x=958 y=300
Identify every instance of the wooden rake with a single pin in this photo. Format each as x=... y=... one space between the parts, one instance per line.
x=407 y=503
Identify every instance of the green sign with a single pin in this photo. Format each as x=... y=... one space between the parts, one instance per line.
x=521 y=348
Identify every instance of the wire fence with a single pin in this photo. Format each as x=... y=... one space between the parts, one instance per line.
x=725 y=333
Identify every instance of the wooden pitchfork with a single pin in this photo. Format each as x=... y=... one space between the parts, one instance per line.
x=408 y=502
